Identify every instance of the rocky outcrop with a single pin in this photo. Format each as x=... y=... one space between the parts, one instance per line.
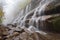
x=35 y=26
x=25 y=34
x=53 y=8
x=51 y=23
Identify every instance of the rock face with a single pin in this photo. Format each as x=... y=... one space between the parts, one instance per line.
x=54 y=24
x=53 y=10
x=24 y=35
x=3 y=32
x=53 y=7
x=51 y=23
x=46 y=22
x=36 y=26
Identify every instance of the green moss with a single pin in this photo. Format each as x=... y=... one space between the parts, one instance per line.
x=0 y=21
x=56 y=23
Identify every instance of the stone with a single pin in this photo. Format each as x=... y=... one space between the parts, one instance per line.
x=52 y=8
x=51 y=23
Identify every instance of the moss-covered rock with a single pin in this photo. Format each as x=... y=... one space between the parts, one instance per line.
x=50 y=23
x=55 y=23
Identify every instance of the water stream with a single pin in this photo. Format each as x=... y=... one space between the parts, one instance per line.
x=33 y=15
x=29 y=17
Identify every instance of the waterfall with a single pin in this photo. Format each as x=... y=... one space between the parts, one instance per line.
x=31 y=16
x=12 y=9
x=31 y=20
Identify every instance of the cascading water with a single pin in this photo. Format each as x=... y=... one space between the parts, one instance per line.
x=30 y=16
x=26 y=23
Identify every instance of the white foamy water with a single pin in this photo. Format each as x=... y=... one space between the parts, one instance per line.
x=16 y=13
x=12 y=10
x=34 y=20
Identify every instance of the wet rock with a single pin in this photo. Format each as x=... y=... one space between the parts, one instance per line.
x=51 y=23
x=13 y=25
x=24 y=36
x=20 y=31
x=3 y=30
x=0 y=38
x=15 y=33
x=12 y=36
x=35 y=36
x=27 y=23
x=55 y=24
x=52 y=8
x=53 y=11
